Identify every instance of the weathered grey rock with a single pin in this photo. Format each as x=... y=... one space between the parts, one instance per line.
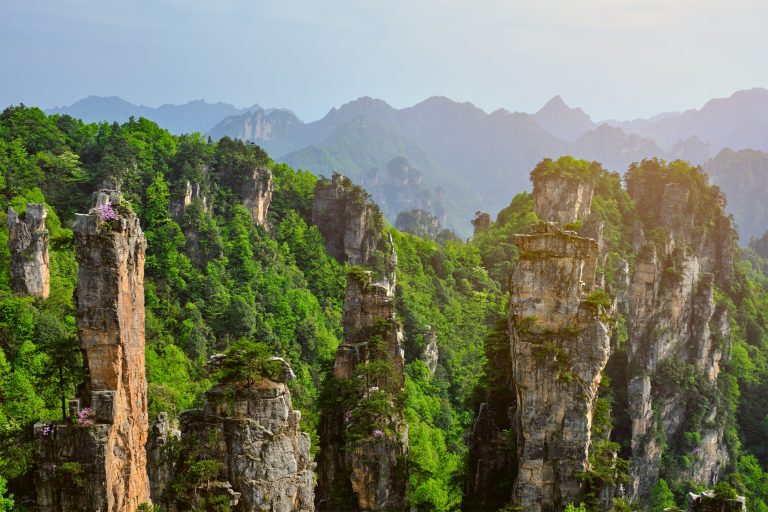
x=481 y=221
x=559 y=345
x=491 y=463
x=350 y=223
x=708 y=501
x=110 y=448
x=253 y=431
x=673 y=320
x=431 y=353
x=371 y=468
x=160 y=462
x=192 y=191
x=28 y=242
x=562 y=200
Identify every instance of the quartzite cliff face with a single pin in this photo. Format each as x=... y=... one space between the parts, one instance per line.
x=674 y=326
x=28 y=242
x=100 y=464
x=251 y=432
x=562 y=200
x=349 y=222
x=560 y=342
x=364 y=438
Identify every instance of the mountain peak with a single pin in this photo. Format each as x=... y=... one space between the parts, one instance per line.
x=556 y=103
x=562 y=121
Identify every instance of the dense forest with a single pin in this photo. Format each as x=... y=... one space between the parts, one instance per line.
x=218 y=282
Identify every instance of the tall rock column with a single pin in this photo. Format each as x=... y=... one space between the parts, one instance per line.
x=103 y=455
x=678 y=335
x=560 y=342
x=363 y=435
x=28 y=242
x=350 y=223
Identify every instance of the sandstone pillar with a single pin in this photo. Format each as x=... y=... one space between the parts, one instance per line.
x=104 y=451
x=28 y=241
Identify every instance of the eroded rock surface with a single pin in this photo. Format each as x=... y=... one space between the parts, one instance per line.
x=708 y=501
x=350 y=223
x=562 y=200
x=560 y=342
x=28 y=242
x=251 y=433
x=99 y=465
x=363 y=452
x=675 y=328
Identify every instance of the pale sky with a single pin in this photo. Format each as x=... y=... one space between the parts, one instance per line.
x=615 y=58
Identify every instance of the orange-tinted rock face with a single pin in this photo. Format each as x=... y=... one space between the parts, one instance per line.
x=110 y=322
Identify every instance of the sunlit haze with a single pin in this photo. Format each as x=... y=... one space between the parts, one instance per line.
x=614 y=58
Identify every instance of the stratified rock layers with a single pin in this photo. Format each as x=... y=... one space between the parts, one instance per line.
x=560 y=343
x=104 y=456
x=28 y=242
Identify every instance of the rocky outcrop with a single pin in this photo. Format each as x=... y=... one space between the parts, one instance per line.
x=256 y=191
x=191 y=191
x=708 y=501
x=350 y=223
x=431 y=352
x=481 y=221
x=678 y=339
x=28 y=242
x=249 y=434
x=560 y=342
x=561 y=199
x=364 y=446
x=160 y=460
x=492 y=463
x=99 y=464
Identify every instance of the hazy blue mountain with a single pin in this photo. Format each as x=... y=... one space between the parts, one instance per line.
x=743 y=177
x=194 y=116
x=739 y=122
x=562 y=121
x=477 y=159
x=276 y=130
x=613 y=148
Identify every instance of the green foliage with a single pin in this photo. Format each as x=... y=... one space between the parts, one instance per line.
x=248 y=362
x=662 y=497
x=73 y=471
x=598 y=299
x=567 y=167
x=6 y=499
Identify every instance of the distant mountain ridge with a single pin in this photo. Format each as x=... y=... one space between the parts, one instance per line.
x=193 y=116
x=466 y=158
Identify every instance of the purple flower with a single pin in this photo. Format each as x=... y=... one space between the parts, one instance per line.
x=347 y=416
x=378 y=433
x=47 y=429
x=85 y=417
x=106 y=212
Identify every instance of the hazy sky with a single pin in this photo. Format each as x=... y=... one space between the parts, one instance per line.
x=615 y=58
